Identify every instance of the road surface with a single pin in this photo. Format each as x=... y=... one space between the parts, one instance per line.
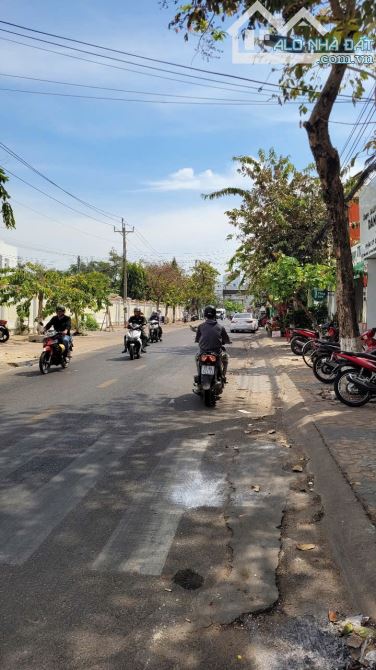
x=120 y=492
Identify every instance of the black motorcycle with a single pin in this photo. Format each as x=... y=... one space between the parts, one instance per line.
x=210 y=381
x=4 y=331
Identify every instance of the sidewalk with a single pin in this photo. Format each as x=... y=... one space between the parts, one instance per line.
x=18 y=351
x=339 y=466
x=348 y=433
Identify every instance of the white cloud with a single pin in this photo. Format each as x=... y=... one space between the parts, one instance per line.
x=186 y=179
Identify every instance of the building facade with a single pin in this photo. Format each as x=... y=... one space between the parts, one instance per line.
x=367 y=205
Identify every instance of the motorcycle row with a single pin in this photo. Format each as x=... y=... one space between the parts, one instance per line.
x=54 y=351
x=353 y=374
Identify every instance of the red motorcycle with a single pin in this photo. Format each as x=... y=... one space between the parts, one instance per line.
x=53 y=352
x=4 y=331
x=326 y=366
x=356 y=387
x=300 y=336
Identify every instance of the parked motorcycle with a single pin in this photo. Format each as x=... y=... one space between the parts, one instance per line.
x=53 y=352
x=306 y=336
x=133 y=342
x=4 y=331
x=326 y=366
x=154 y=331
x=209 y=382
x=356 y=387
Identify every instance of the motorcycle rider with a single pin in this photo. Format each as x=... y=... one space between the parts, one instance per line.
x=62 y=324
x=139 y=320
x=211 y=337
x=156 y=316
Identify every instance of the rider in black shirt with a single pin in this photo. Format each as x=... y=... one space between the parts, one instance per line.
x=137 y=319
x=62 y=324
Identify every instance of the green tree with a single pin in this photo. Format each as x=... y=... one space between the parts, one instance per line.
x=231 y=306
x=282 y=211
x=286 y=279
x=113 y=269
x=137 y=281
x=344 y=19
x=201 y=285
x=6 y=208
x=176 y=288
x=78 y=292
x=22 y=284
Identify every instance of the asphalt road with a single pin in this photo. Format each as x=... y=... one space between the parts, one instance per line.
x=115 y=477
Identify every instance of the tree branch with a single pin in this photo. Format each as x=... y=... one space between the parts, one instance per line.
x=362 y=178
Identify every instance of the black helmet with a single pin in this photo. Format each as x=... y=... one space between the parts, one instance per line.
x=60 y=308
x=210 y=312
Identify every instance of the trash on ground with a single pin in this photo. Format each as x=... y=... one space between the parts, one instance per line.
x=297 y=468
x=255 y=488
x=332 y=616
x=305 y=546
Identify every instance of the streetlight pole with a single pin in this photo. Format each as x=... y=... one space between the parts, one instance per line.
x=124 y=232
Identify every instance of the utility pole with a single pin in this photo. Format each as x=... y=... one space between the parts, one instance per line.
x=124 y=232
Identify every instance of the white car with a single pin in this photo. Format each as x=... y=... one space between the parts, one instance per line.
x=244 y=323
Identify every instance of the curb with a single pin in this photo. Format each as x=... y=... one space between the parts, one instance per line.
x=350 y=533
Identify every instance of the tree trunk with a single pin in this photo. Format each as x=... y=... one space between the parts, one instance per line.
x=329 y=170
x=173 y=313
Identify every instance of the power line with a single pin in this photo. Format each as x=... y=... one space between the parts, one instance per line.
x=13 y=154
x=122 y=90
x=352 y=150
x=88 y=216
x=143 y=58
x=224 y=102
x=357 y=123
x=61 y=223
x=236 y=87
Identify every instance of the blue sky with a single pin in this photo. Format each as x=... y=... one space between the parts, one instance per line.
x=146 y=162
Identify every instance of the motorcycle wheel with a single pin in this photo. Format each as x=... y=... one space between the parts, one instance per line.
x=322 y=373
x=64 y=363
x=44 y=363
x=297 y=345
x=131 y=353
x=4 y=335
x=307 y=352
x=210 y=398
x=348 y=393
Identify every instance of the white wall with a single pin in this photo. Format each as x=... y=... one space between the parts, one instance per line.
x=8 y=259
x=371 y=293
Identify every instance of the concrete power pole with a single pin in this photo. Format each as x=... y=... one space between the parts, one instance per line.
x=124 y=232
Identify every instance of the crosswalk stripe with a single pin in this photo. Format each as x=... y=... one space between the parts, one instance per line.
x=142 y=539
x=29 y=519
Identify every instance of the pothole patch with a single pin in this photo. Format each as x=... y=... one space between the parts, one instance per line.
x=188 y=579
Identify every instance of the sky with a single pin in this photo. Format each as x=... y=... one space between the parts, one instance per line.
x=146 y=162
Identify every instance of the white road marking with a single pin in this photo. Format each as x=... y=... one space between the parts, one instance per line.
x=142 y=539
x=43 y=415
x=107 y=383
x=30 y=517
